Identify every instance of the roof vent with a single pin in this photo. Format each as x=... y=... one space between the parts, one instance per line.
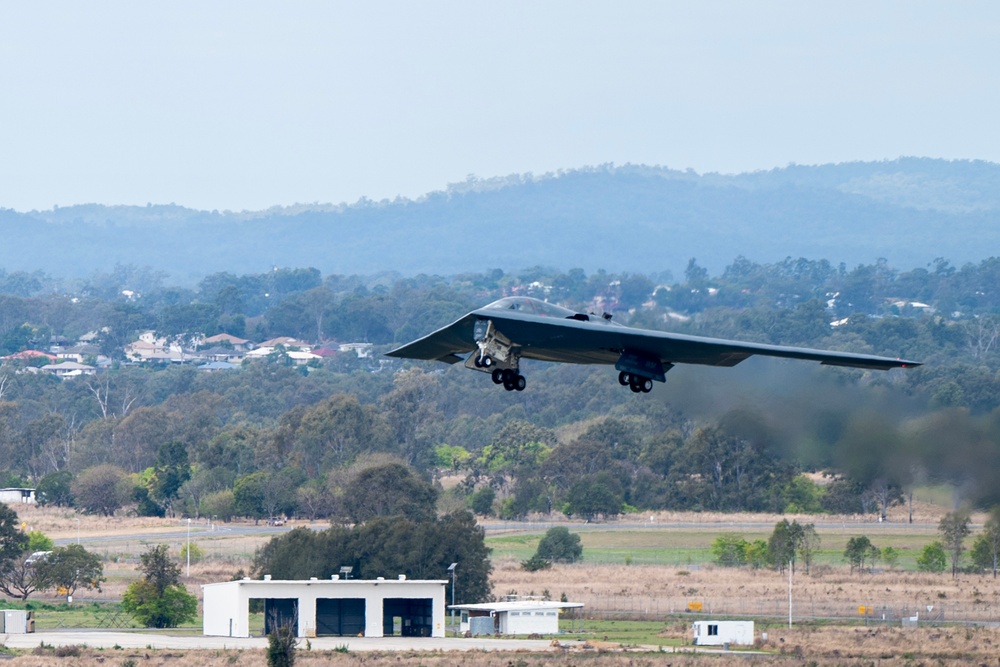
x=379 y=578
x=267 y=577
x=402 y=577
x=335 y=577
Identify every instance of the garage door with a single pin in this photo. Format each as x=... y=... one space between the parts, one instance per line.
x=340 y=617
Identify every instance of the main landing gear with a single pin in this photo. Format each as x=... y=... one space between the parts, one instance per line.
x=636 y=383
x=509 y=378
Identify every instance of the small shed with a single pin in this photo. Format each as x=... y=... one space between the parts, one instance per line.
x=718 y=633
x=513 y=617
x=328 y=607
x=15 y=495
x=16 y=621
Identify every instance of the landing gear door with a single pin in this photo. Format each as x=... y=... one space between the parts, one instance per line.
x=643 y=365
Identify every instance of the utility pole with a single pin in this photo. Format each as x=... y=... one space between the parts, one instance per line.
x=789 y=595
x=451 y=568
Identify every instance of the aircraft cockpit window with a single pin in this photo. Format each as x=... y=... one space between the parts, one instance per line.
x=530 y=306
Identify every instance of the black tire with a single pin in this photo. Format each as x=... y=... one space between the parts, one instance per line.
x=508 y=384
x=497 y=376
x=487 y=362
x=635 y=388
x=623 y=379
x=520 y=383
x=477 y=362
x=647 y=386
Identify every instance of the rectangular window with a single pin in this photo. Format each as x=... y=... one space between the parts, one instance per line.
x=713 y=630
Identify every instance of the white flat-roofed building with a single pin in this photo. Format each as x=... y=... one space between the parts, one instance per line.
x=329 y=607
x=513 y=617
x=718 y=633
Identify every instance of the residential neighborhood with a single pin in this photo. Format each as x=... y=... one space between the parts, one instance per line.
x=66 y=359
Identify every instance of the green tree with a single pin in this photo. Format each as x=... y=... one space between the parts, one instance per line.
x=954 y=528
x=932 y=558
x=39 y=541
x=248 y=496
x=808 y=545
x=159 y=600
x=986 y=548
x=730 y=550
x=890 y=556
x=55 y=489
x=71 y=567
x=172 y=469
x=19 y=578
x=595 y=495
x=860 y=549
x=102 y=489
x=386 y=547
x=560 y=545
x=756 y=552
x=481 y=501
x=392 y=489
x=783 y=545
x=13 y=541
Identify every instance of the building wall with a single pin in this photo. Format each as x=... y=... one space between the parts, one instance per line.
x=728 y=632
x=227 y=604
x=529 y=621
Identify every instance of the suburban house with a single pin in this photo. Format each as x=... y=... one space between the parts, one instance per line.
x=68 y=369
x=238 y=344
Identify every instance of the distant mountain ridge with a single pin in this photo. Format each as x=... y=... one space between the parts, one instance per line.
x=621 y=218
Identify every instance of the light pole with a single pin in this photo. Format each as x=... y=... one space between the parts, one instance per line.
x=189 y=549
x=451 y=568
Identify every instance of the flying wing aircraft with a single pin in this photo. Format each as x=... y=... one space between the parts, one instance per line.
x=497 y=336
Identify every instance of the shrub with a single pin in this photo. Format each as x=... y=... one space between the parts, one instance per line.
x=535 y=563
x=932 y=558
x=281 y=646
x=560 y=545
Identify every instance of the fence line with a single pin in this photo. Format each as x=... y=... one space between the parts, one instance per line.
x=803 y=608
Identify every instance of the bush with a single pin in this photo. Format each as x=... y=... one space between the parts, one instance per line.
x=535 y=563
x=730 y=550
x=197 y=553
x=481 y=502
x=560 y=545
x=932 y=558
x=281 y=646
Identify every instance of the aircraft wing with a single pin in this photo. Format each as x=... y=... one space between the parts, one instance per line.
x=586 y=341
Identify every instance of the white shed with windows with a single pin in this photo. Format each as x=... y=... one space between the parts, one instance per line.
x=717 y=633
x=515 y=617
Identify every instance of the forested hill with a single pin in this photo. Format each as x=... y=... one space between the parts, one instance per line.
x=630 y=218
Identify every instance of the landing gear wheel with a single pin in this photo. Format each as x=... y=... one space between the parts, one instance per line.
x=507 y=377
x=520 y=383
x=477 y=362
x=624 y=378
x=486 y=361
x=646 y=385
x=497 y=376
x=634 y=387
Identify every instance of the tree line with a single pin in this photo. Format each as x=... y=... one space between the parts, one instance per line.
x=271 y=439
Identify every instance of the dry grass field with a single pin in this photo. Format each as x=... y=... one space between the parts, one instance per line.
x=614 y=589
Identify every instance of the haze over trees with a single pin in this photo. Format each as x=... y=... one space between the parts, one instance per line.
x=271 y=438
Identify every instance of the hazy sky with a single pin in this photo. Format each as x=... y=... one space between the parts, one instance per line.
x=245 y=105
